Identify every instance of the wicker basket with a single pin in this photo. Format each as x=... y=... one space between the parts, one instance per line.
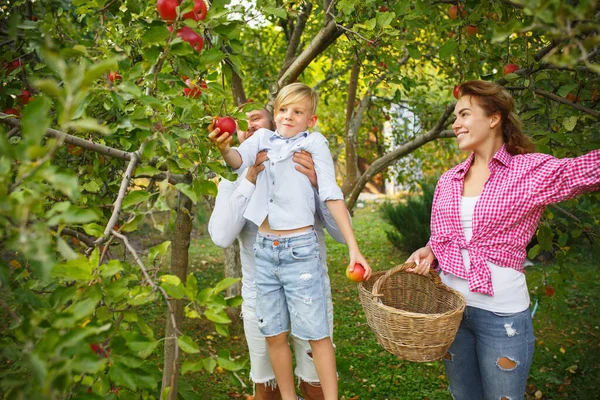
x=413 y=316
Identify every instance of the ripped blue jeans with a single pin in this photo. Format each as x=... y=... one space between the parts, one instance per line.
x=491 y=355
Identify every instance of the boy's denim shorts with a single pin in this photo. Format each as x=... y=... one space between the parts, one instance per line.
x=290 y=286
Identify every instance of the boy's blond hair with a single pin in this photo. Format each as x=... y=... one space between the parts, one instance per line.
x=294 y=93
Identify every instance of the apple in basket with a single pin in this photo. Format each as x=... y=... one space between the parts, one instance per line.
x=356 y=275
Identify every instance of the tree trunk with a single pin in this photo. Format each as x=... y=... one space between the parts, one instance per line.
x=350 y=131
x=179 y=266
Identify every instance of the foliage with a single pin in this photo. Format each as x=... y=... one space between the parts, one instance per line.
x=410 y=220
x=129 y=145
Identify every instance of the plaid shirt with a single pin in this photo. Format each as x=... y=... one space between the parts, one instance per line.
x=508 y=211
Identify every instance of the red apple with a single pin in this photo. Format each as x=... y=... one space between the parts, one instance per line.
x=114 y=76
x=472 y=30
x=167 y=9
x=594 y=95
x=383 y=9
x=456 y=91
x=193 y=90
x=199 y=11
x=12 y=111
x=382 y=65
x=549 y=291
x=357 y=275
x=510 y=68
x=226 y=125
x=453 y=11
x=187 y=34
x=74 y=150
x=24 y=97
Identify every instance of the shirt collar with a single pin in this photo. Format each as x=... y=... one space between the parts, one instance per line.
x=276 y=136
x=502 y=156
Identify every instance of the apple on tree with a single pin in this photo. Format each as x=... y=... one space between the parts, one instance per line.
x=199 y=11
x=357 y=274
x=510 y=68
x=453 y=11
x=114 y=76
x=187 y=34
x=192 y=90
x=472 y=30
x=167 y=9
x=456 y=91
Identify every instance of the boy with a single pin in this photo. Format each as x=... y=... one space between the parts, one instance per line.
x=289 y=277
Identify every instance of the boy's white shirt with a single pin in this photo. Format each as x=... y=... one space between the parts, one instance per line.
x=282 y=193
x=228 y=223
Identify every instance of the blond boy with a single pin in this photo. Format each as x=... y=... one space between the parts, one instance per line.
x=289 y=278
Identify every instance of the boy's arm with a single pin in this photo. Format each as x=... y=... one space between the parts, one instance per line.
x=340 y=214
x=238 y=158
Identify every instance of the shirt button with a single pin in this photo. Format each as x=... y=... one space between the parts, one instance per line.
x=271 y=200
x=273 y=182
x=287 y=141
x=272 y=163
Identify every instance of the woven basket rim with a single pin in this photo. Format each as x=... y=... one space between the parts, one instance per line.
x=395 y=310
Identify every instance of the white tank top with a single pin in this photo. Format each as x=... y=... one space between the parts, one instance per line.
x=510 y=287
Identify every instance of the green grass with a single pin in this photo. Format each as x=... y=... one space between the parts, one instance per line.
x=567 y=321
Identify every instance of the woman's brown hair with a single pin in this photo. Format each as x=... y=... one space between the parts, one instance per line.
x=494 y=99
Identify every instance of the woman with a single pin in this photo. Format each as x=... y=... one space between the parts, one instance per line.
x=484 y=213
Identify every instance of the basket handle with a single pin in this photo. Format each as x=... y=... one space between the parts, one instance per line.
x=399 y=268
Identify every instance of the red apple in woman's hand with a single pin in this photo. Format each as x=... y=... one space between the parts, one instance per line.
x=357 y=274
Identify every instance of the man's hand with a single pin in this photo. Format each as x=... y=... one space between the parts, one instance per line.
x=221 y=141
x=258 y=166
x=307 y=166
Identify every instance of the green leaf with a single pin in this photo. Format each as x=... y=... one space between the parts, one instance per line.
x=111 y=268
x=141 y=345
x=570 y=123
x=209 y=364
x=98 y=70
x=157 y=250
x=191 y=287
x=78 y=269
x=188 y=191
x=234 y=301
x=565 y=90
x=173 y=286
x=155 y=34
x=93 y=229
x=224 y=284
x=414 y=52
x=225 y=361
x=86 y=125
x=217 y=317
x=204 y=187
x=123 y=376
x=36 y=120
x=187 y=345
x=277 y=12
x=222 y=330
x=135 y=197
x=448 y=48
x=192 y=366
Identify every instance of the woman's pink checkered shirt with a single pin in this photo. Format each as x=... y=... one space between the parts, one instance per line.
x=507 y=212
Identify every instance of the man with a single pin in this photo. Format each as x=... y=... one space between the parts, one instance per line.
x=227 y=222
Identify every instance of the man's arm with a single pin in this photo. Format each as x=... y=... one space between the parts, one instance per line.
x=227 y=219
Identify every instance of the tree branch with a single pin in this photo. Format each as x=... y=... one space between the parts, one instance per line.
x=295 y=38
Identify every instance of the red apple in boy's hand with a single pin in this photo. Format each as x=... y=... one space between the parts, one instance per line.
x=357 y=274
x=226 y=125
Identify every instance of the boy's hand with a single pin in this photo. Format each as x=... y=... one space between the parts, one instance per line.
x=258 y=166
x=307 y=166
x=221 y=141
x=356 y=257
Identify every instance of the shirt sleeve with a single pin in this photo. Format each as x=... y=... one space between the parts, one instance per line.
x=319 y=150
x=328 y=220
x=559 y=179
x=227 y=218
x=248 y=151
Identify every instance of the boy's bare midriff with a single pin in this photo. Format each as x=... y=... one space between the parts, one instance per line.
x=266 y=228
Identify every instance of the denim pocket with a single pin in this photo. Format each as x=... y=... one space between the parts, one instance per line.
x=304 y=251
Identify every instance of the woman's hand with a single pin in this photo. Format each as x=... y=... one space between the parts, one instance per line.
x=423 y=257
x=258 y=166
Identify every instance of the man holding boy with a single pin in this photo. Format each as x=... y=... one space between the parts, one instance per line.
x=227 y=223
x=290 y=282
